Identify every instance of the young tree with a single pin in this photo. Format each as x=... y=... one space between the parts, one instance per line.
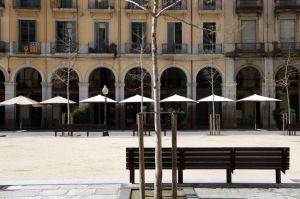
x=65 y=74
x=286 y=76
x=156 y=11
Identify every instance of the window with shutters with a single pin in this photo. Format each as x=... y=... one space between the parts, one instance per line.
x=138 y=35
x=287 y=34
x=174 y=37
x=248 y=34
x=65 y=36
x=102 y=37
x=209 y=37
x=27 y=35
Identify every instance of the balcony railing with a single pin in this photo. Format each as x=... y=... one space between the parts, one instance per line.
x=4 y=47
x=179 y=6
x=249 y=6
x=64 y=48
x=210 y=4
x=174 y=48
x=286 y=5
x=249 y=47
x=27 y=48
x=136 y=48
x=64 y=4
x=286 y=47
x=131 y=6
x=101 y=5
x=101 y=49
x=210 y=49
x=27 y=4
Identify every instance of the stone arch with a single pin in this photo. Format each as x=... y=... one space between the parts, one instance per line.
x=95 y=67
x=187 y=74
x=20 y=67
x=206 y=66
x=132 y=66
x=261 y=73
x=57 y=67
x=5 y=73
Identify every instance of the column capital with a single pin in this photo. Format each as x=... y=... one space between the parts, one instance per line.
x=10 y=83
x=83 y=84
x=229 y=84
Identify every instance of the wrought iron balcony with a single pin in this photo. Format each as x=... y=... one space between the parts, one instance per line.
x=210 y=5
x=64 y=48
x=174 y=48
x=4 y=47
x=136 y=48
x=286 y=5
x=210 y=49
x=179 y=6
x=64 y=5
x=286 y=47
x=101 y=5
x=131 y=6
x=249 y=47
x=27 y=48
x=249 y=6
x=27 y=4
x=101 y=49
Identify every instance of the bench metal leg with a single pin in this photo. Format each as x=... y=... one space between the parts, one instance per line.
x=87 y=134
x=131 y=176
x=228 y=176
x=180 y=176
x=165 y=133
x=278 y=176
x=55 y=133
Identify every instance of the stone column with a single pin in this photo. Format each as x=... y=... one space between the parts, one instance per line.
x=268 y=90
x=83 y=92
x=44 y=107
x=189 y=106
x=117 y=106
x=229 y=91
x=49 y=107
x=122 y=106
x=194 y=105
x=10 y=111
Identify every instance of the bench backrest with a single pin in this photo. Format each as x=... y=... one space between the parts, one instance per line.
x=214 y=158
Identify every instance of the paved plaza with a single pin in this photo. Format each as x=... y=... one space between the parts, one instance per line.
x=39 y=165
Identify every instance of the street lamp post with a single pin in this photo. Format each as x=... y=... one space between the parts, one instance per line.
x=105 y=92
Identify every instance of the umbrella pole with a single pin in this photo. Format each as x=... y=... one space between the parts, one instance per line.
x=254 y=115
x=99 y=113
x=20 y=117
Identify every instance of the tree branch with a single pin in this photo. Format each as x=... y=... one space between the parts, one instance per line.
x=167 y=8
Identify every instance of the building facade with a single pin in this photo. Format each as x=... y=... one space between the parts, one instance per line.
x=247 y=48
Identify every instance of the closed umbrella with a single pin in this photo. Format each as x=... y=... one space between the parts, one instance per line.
x=257 y=98
x=21 y=101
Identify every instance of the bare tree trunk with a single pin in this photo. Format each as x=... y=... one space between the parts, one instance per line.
x=156 y=93
x=286 y=79
x=288 y=104
x=213 y=102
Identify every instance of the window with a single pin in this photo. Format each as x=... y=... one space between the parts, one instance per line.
x=248 y=34
x=209 y=37
x=180 y=5
x=65 y=36
x=65 y=3
x=174 y=36
x=287 y=34
x=138 y=34
x=209 y=4
x=102 y=37
x=27 y=35
x=101 y=4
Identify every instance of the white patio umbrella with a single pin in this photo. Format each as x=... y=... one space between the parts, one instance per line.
x=136 y=99
x=177 y=98
x=56 y=101
x=19 y=101
x=98 y=99
x=257 y=98
x=215 y=98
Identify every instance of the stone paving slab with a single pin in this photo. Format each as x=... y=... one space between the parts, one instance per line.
x=99 y=191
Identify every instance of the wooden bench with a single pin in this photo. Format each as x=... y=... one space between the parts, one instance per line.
x=70 y=129
x=229 y=159
x=293 y=128
x=148 y=128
